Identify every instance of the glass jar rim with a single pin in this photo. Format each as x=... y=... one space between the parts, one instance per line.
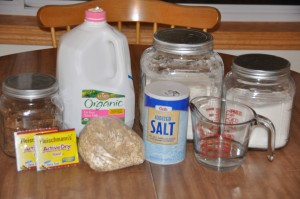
x=30 y=86
x=183 y=41
x=261 y=66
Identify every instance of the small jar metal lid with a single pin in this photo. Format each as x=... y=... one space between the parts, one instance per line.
x=183 y=41
x=30 y=86
x=261 y=66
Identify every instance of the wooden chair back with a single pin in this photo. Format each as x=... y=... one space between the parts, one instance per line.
x=134 y=11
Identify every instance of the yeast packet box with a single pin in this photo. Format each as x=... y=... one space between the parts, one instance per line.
x=25 y=149
x=56 y=150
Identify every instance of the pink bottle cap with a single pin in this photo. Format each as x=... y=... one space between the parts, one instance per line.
x=95 y=15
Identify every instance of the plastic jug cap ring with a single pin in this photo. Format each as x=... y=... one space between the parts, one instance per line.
x=95 y=15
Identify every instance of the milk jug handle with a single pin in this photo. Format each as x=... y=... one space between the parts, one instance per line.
x=120 y=57
x=265 y=122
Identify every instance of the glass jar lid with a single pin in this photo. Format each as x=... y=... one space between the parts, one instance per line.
x=183 y=41
x=30 y=86
x=261 y=66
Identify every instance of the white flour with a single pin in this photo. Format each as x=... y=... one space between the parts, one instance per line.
x=276 y=108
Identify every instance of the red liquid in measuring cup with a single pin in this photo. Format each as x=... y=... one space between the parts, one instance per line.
x=219 y=150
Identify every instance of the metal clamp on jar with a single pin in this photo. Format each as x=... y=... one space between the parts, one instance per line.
x=263 y=82
x=29 y=101
x=185 y=56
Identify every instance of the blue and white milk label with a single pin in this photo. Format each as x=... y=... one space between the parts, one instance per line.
x=165 y=128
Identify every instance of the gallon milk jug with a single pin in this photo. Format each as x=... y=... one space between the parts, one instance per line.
x=94 y=72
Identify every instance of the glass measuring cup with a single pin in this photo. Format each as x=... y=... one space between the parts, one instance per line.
x=221 y=130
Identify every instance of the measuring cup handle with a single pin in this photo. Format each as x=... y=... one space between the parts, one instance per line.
x=263 y=121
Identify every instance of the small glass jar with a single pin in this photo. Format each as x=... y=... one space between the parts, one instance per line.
x=185 y=56
x=263 y=82
x=29 y=101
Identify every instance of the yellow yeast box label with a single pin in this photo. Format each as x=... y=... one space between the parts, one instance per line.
x=25 y=150
x=56 y=150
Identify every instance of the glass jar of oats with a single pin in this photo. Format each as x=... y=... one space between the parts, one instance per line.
x=29 y=101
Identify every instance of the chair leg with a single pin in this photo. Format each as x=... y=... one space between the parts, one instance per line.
x=138 y=27
x=53 y=37
x=154 y=27
x=120 y=26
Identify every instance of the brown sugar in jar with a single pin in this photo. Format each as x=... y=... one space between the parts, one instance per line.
x=29 y=101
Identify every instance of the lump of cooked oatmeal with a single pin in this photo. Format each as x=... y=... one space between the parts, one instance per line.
x=107 y=144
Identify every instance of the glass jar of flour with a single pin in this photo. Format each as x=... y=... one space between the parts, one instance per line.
x=263 y=82
x=185 y=56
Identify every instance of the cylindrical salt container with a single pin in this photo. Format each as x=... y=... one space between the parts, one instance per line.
x=165 y=126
